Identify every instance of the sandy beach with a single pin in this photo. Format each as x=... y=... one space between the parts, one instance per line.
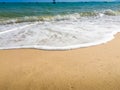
x=92 y=68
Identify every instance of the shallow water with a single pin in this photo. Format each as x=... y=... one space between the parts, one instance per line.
x=57 y=27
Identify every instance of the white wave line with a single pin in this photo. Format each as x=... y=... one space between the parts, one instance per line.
x=6 y=31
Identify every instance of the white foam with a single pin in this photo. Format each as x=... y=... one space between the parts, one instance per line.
x=61 y=35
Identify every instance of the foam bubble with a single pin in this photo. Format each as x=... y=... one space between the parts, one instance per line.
x=60 y=35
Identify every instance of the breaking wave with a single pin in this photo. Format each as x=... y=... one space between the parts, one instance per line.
x=74 y=16
x=60 y=32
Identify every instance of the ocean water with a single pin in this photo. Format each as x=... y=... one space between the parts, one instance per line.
x=60 y=26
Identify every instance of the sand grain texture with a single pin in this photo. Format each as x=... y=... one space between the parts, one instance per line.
x=93 y=68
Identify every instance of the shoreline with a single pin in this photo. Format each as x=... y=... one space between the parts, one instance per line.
x=92 y=68
x=66 y=48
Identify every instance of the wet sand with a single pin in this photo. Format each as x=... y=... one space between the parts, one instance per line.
x=92 y=68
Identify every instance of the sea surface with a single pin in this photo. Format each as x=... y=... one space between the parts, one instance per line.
x=59 y=26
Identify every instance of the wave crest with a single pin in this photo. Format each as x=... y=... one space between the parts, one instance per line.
x=73 y=16
x=111 y=12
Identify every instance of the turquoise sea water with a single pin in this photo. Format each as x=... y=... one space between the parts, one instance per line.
x=22 y=10
x=58 y=26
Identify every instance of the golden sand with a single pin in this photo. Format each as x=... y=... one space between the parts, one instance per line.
x=93 y=68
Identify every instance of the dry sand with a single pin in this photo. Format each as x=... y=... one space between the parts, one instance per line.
x=93 y=68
